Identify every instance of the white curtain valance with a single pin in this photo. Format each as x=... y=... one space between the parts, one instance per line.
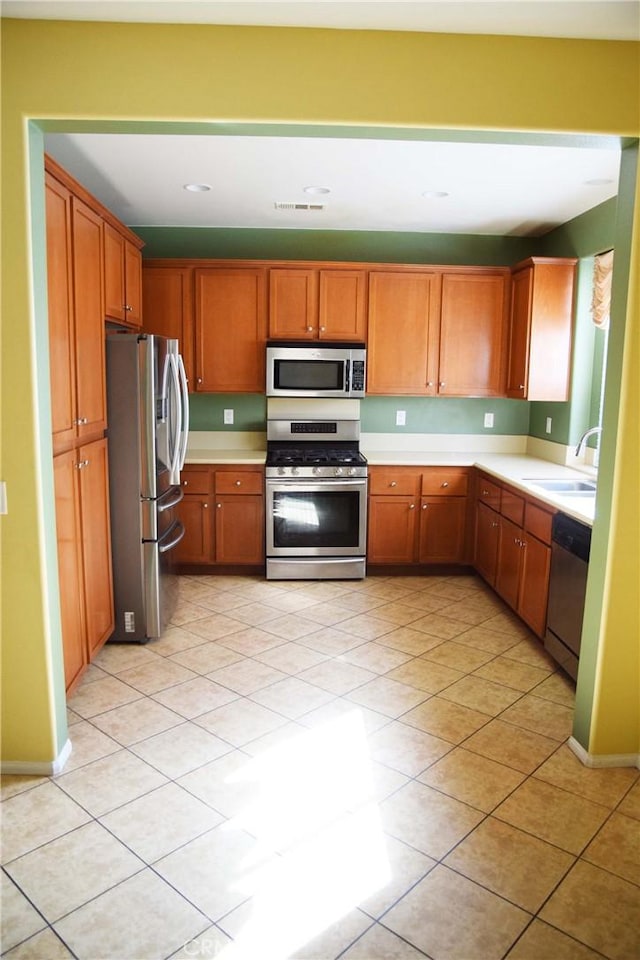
x=600 y=304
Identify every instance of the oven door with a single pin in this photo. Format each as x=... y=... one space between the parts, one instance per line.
x=316 y=518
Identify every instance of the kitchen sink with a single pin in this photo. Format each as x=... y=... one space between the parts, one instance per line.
x=572 y=488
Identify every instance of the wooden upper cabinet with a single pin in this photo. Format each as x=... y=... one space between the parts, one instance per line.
x=542 y=294
x=293 y=303
x=403 y=332
x=167 y=294
x=473 y=334
x=317 y=303
x=231 y=327
x=122 y=278
x=61 y=325
x=342 y=313
x=91 y=411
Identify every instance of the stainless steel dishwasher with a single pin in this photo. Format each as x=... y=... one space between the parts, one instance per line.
x=570 y=546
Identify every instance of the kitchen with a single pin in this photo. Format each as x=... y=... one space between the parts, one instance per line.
x=462 y=115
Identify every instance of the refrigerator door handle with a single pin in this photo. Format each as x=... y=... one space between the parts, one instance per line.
x=169 y=499
x=175 y=419
x=184 y=434
x=179 y=532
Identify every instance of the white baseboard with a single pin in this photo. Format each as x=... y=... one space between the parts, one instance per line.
x=603 y=759
x=35 y=768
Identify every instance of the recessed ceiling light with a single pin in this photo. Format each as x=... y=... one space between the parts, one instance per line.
x=316 y=190
x=598 y=182
x=196 y=187
x=434 y=194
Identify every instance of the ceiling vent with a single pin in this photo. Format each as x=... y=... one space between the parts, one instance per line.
x=286 y=205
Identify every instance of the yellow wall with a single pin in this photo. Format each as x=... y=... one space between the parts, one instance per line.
x=164 y=72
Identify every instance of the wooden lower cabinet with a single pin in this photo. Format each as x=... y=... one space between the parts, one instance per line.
x=442 y=529
x=515 y=557
x=84 y=554
x=223 y=515
x=392 y=529
x=417 y=515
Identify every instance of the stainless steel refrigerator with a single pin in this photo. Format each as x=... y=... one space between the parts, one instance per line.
x=148 y=418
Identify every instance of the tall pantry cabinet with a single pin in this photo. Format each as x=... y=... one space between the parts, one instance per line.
x=74 y=234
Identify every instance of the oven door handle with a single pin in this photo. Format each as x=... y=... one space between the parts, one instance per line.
x=315 y=486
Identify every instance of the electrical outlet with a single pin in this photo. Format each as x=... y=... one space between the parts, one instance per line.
x=548 y=425
x=401 y=418
x=228 y=416
x=488 y=419
x=3 y=498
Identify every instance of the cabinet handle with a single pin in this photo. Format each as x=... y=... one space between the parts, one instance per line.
x=445 y=483
x=128 y=308
x=441 y=384
x=429 y=383
x=309 y=329
x=238 y=483
x=424 y=506
x=80 y=421
x=205 y=506
x=494 y=523
x=185 y=483
x=199 y=380
x=412 y=506
x=322 y=329
x=219 y=506
x=393 y=483
x=81 y=464
x=521 y=387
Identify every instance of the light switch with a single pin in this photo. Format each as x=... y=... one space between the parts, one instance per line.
x=3 y=498
x=228 y=416
x=548 y=426
x=401 y=418
x=488 y=419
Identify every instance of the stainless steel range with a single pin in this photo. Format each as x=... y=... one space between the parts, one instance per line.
x=316 y=500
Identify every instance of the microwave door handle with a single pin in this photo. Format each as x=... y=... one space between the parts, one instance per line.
x=184 y=426
x=347 y=376
x=175 y=405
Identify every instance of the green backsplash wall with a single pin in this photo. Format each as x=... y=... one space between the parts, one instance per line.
x=444 y=415
x=206 y=411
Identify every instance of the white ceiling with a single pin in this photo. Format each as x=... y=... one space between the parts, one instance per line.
x=596 y=19
x=492 y=189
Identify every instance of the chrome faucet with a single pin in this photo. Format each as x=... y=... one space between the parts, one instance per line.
x=584 y=437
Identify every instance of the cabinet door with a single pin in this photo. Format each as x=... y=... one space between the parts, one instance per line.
x=486 y=546
x=293 y=303
x=342 y=305
x=70 y=574
x=89 y=321
x=521 y=298
x=133 y=284
x=61 y=326
x=509 y=562
x=534 y=586
x=403 y=332
x=240 y=529
x=114 y=275
x=230 y=330
x=442 y=529
x=197 y=544
x=96 y=544
x=473 y=335
x=392 y=530
x=167 y=297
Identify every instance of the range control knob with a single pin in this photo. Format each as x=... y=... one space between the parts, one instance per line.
x=338 y=471
x=294 y=471
x=315 y=471
x=351 y=471
x=281 y=471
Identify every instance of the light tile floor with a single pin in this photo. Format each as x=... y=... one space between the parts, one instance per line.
x=362 y=770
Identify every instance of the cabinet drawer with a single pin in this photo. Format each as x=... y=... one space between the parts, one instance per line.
x=395 y=481
x=512 y=506
x=446 y=481
x=196 y=481
x=489 y=492
x=537 y=521
x=238 y=481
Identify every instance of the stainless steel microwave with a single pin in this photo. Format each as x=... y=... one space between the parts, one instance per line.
x=306 y=369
